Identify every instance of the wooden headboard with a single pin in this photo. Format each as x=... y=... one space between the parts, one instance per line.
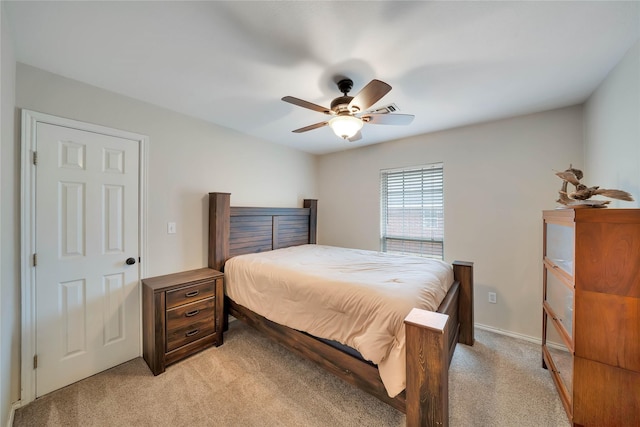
x=243 y=230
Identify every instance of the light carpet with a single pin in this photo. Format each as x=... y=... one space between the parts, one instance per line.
x=252 y=381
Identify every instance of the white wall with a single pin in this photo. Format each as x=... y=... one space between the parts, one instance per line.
x=9 y=232
x=187 y=159
x=498 y=177
x=612 y=130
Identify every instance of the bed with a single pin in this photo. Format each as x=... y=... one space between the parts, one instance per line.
x=430 y=338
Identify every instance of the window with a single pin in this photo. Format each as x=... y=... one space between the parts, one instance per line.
x=412 y=211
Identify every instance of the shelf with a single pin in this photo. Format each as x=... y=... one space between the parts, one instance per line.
x=559 y=298
x=591 y=304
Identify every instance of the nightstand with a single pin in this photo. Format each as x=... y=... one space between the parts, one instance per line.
x=182 y=313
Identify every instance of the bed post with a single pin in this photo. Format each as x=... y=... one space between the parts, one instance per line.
x=427 y=390
x=312 y=204
x=463 y=273
x=219 y=224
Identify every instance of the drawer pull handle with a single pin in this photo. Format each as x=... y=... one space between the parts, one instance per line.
x=191 y=294
x=192 y=313
x=192 y=333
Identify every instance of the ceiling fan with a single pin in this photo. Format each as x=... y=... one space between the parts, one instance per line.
x=349 y=112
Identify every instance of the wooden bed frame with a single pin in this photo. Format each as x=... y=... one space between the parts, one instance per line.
x=431 y=337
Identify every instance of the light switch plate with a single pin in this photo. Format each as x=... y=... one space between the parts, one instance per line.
x=171 y=228
x=493 y=297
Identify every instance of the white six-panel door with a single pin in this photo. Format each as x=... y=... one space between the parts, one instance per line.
x=87 y=306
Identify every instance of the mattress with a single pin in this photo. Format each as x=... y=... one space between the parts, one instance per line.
x=356 y=297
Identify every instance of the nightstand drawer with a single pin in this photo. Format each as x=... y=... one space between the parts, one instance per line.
x=190 y=332
x=189 y=294
x=188 y=314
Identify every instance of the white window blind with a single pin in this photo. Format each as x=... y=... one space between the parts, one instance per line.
x=412 y=210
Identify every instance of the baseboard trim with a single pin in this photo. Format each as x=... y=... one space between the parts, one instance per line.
x=524 y=337
x=529 y=338
x=14 y=406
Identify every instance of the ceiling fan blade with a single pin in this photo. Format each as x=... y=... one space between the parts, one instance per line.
x=370 y=94
x=306 y=104
x=388 y=119
x=310 y=127
x=356 y=137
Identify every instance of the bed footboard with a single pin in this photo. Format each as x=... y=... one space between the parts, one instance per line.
x=431 y=339
x=427 y=390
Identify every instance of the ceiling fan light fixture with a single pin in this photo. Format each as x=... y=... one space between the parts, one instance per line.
x=349 y=113
x=345 y=126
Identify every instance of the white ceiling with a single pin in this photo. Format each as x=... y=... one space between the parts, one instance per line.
x=449 y=63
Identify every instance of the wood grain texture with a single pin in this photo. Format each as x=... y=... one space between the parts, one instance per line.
x=450 y=307
x=221 y=318
x=463 y=273
x=312 y=205
x=607 y=258
x=290 y=231
x=427 y=389
x=148 y=326
x=250 y=234
x=186 y=333
x=606 y=396
x=176 y=280
x=607 y=329
x=606 y=317
x=190 y=322
x=242 y=230
x=194 y=291
x=181 y=314
x=219 y=205
x=188 y=313
x=159 y=332
x=191 y=348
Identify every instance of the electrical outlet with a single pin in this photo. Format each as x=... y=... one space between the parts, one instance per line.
x=171 y=228
x=493 y=297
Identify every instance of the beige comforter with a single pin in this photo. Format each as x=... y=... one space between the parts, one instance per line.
x=358 y=298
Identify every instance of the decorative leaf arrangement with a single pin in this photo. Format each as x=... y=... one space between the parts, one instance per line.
x=580 y=197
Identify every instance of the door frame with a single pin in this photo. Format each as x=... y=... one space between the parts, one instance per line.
x=30 y=119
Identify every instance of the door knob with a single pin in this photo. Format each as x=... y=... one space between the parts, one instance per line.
x=130 y=261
